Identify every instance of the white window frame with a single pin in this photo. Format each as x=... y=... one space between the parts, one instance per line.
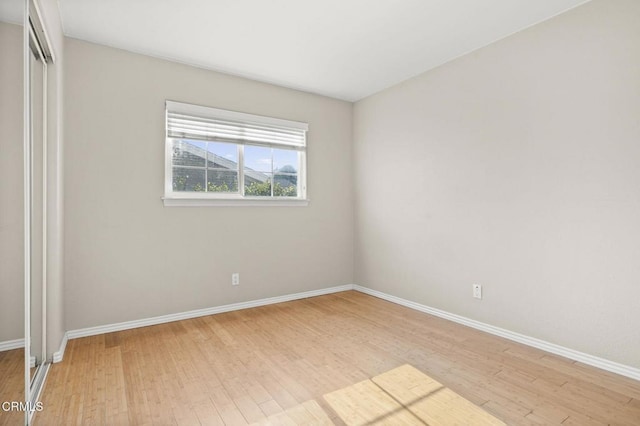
x=201 y=199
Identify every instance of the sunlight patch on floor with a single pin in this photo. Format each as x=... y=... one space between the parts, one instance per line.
x=405 y=396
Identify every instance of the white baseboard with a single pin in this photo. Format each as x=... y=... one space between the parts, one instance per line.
x=57 y=356
x=19 y=343
x=9 y=345
x=92 y=331
x=604 y=364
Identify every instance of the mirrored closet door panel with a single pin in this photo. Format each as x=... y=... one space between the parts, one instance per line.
x=37 y=71
x=38 y=53
x=12 y=290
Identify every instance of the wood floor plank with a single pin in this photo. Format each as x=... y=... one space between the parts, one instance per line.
x=271 y=408
x=11 y=385
x=273 y=365
x=208 y=414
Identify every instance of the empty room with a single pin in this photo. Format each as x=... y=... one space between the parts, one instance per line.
x=357 y=212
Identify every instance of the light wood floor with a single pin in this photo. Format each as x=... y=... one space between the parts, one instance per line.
x=275 y=365
x=11 y=385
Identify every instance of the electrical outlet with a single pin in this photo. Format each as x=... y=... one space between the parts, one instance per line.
x=235 y=278
x=477 y=291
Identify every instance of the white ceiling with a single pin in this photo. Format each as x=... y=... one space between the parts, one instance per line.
x=347 y=49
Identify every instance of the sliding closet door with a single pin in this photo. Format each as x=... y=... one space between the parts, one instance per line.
x=37 y=53
x=24 y=53
x=38 y=205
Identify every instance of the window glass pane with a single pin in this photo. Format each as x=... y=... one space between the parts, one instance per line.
x=285 y=184
x=285 y=169
x=222 y=181
x=188 y=179
x=257 y=184
x=285 y=161
x=189 y=153
x=257 y=158
x=222 y=155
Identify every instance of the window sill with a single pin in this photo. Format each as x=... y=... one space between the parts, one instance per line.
x=234 y=202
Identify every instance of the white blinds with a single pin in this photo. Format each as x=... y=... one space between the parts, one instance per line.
x=185 y=121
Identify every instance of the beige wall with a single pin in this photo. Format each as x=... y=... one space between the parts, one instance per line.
x=11 y=201
x=516 y=167
x=126 y=256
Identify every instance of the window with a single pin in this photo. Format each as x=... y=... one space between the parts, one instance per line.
x=219 y=157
